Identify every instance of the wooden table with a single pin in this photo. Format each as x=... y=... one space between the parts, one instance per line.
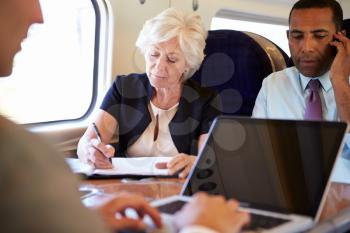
x=94 y=191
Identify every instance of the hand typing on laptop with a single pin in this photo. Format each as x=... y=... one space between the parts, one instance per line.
x=213 y=212
x=203 y=213
x=113 y=211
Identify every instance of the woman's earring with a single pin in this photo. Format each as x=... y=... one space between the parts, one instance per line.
x=184 y=73
x=182 y=78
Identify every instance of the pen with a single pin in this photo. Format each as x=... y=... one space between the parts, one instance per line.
x=97 y=132
x=98 y=135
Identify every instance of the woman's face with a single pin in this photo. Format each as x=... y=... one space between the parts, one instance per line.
x=165 y=64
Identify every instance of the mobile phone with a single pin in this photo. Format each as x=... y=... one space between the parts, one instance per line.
x=334 y=49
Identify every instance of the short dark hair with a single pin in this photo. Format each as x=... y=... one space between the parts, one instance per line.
x=332 y=4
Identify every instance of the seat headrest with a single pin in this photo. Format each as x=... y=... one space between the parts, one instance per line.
x=235 y=64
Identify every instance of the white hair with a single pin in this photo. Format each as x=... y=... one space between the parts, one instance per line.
x=186 y=27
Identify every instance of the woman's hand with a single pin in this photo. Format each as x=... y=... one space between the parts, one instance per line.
x=181 y=163
x=93 y=148
x=99 y=154
x=96 y=153
x=113 y=212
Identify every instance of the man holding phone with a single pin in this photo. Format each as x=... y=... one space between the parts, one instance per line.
x=317 y=87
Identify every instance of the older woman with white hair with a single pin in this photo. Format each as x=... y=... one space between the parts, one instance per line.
x=161 y=112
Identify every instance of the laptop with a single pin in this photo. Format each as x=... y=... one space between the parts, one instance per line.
x=279 y=170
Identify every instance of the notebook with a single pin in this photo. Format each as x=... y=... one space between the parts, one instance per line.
x=277 y=169
x=135 y=167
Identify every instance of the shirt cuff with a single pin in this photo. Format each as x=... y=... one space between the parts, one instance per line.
x=197 y=229
x=347 y=139
x=346 y=150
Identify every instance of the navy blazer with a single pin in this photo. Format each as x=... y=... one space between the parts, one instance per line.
x=127 y=101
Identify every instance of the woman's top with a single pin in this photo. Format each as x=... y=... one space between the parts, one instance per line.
x=156 y=139
x=128 y=100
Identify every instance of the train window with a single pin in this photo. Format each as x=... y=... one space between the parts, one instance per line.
x=272 y=31
x=54 y=74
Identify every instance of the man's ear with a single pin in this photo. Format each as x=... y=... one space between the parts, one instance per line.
x=287 y=33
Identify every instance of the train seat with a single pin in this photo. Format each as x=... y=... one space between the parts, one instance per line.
x=236 y=62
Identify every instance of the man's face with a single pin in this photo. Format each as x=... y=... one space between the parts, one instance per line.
x=310 y=31
x=16 y=16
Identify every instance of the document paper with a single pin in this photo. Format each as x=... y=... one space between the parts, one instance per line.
x=138 y=166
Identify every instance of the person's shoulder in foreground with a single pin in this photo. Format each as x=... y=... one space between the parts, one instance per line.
x=38 y=193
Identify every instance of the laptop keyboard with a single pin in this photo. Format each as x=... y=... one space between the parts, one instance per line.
x=258 y=222
x=172 y=207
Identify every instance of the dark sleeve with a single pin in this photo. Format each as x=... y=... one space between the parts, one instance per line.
x=112 y=100
x=211 y=109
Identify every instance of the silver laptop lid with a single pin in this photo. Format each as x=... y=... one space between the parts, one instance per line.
x=274 y=165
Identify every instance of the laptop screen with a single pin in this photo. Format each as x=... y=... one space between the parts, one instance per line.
x=274 y=165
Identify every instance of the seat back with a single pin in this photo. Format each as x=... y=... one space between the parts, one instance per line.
x=235 y=64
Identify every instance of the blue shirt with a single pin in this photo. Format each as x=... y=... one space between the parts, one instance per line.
x=283 y=95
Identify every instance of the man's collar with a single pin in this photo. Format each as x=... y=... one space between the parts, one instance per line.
x=324 y=80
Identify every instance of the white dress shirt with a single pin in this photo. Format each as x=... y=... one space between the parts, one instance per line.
x=283 y=95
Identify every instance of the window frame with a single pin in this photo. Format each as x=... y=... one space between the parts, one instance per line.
x=256 y=18
x=226 y=14
x=103 y=51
